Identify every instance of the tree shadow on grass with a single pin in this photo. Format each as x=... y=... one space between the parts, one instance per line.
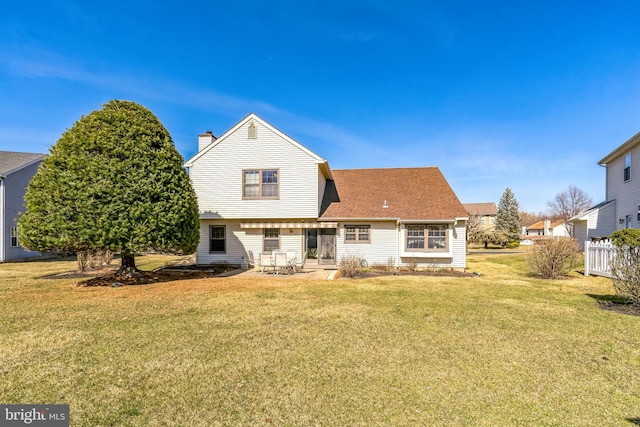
x=617 y=304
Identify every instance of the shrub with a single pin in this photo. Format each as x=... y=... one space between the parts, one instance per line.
x=388 y=267
x=625 y=265
x=351 y=265
x=500 y=238
x=550 y=259
x=412 y=264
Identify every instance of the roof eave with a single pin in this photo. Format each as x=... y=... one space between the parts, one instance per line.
x=34 y=161
x=326 y=170
x=631 y=142
x=351 y=219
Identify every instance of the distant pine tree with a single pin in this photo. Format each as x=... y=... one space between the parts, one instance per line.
x=508 y=217
x=114 y=181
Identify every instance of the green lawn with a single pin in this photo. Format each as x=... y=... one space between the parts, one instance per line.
x=499 y=349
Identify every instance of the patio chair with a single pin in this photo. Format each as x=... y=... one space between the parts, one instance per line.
x=292 y=259
x=281 y=263
x=252 y=261
x=265 y=261
x=300 y=262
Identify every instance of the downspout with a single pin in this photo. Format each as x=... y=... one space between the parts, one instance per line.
x=398 y=243
x=2 y=230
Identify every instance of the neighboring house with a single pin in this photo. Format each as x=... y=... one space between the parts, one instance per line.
x=623 y=184
x=545 y=228
x=486 y=213
x=259 y=190
x=16 y=170
x=594 y=223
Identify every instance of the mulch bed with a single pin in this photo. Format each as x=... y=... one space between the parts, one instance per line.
x=620 y=307
x=437 y=273
x=146 y=277
x=108 y=276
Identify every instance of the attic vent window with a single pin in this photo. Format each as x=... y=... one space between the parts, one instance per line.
x=252 y=131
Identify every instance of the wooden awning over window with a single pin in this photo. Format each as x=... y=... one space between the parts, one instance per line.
x=325 y=224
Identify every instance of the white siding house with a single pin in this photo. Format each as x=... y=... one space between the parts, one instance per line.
x=16 y=170
x=623 y=182
x=595 y=223
x=249 y=177
x=546 y=228
x=622 y=206
x=259 y=190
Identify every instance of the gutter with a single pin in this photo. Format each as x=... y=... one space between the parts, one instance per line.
x=341 y=219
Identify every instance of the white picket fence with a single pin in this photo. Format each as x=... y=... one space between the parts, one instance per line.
x=597 y=256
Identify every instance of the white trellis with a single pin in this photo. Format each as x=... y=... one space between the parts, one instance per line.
x=597 y=258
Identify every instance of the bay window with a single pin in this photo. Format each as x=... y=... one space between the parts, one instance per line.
x=426 y=237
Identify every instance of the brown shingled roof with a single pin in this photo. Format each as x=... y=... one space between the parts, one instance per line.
x=540 y=225
x=410 y=193
x=488 y=208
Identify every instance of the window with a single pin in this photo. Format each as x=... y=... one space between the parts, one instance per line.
x=427 y=237
x=437 y=237
x=260 y=184
x=217 y=239
x=13 y=237
x=638 y=213
x=357 y=234
x=271 y=239
x=415 y=236
x=627 y=167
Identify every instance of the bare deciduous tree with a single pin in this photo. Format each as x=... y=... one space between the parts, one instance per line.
x=528 y=218
x=568 y=203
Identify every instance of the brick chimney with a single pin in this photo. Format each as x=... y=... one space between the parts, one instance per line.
x=205 y=139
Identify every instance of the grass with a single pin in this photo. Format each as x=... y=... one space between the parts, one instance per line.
x=500 y=349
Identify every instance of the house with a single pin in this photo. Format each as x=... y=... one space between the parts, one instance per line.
x=621 y=208
x=623 y=183
x=486 y=213
x=594 y=223
x=16 y=170
x=545 y=228
x=260 y=190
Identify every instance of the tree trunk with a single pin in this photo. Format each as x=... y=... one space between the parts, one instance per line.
x=128 y=261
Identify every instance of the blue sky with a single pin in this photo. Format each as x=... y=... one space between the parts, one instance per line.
x=526 y=95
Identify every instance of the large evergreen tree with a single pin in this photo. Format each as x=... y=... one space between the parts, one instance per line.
x=508 y=217
x=113 y=181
